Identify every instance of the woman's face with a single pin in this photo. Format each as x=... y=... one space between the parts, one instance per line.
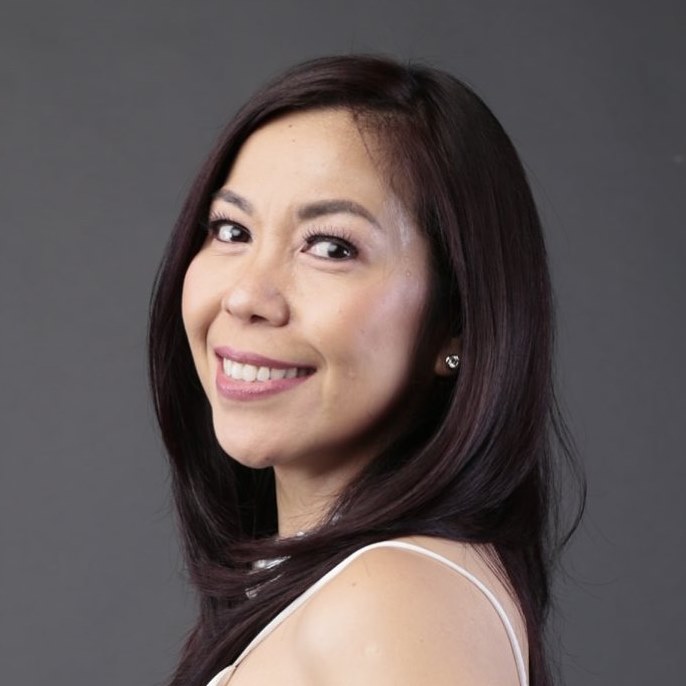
x=303 y=306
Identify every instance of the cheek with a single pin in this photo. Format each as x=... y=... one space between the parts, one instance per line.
x=374 y=332
x=198 y=303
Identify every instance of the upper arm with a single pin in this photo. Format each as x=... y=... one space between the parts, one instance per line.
x=393 y=618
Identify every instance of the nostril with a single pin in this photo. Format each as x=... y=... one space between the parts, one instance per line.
x=255 y=303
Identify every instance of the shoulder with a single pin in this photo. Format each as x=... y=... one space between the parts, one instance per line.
x=394 y=616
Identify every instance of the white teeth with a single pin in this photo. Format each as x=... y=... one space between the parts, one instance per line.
x=237 y=371
x=251 y=373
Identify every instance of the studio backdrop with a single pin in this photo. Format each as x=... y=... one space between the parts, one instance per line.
x=107 y=110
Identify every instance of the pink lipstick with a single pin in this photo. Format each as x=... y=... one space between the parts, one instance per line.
x=248 y=376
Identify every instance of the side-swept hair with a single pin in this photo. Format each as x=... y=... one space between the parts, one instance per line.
x=478 y=464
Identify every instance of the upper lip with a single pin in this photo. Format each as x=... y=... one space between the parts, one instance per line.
x=254 y=359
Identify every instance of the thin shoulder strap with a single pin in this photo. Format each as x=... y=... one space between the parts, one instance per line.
x=304 y=597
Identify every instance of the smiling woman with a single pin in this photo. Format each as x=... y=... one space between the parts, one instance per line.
x=309 y=291
x=350 y=355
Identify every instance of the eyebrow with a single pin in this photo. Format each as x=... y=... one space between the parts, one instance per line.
x=307 y=212
x=229 y=196
x=324 y=207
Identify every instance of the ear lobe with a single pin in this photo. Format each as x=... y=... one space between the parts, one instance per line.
x=448 y=358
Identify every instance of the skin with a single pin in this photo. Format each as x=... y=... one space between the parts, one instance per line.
x=394 y=618
x=343 y=295
x=275 y=289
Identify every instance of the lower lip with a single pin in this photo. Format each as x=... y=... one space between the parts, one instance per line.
x=254 y=390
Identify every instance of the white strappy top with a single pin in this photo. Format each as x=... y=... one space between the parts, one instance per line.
x=223 y=677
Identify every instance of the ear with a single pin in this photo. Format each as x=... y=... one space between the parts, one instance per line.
x=452 y=347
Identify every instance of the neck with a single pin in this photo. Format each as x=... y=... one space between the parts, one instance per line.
x=304 y=498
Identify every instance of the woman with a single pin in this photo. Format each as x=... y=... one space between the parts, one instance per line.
x=350 y=354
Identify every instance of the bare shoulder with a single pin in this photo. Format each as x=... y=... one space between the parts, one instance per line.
x=394 y=616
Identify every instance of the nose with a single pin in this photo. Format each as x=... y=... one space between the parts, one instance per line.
x=256 y=295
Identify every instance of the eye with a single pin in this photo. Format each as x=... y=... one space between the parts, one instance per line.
x=330 y=247
x=228 y=231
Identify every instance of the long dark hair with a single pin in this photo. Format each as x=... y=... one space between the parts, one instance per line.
x=478 y=464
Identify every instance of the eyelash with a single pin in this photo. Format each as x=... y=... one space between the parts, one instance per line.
x=215 y=222
x=340 y=237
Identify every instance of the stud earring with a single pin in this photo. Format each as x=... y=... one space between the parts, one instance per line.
x=452 y=362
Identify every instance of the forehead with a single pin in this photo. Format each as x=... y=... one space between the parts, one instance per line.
x=309 y=155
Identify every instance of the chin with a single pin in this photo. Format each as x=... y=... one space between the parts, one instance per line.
x=253 y=461
x=252 y=458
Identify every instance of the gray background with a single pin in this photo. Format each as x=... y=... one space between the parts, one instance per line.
x=107 y=111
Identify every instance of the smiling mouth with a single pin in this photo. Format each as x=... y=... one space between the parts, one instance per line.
x=251 y=373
